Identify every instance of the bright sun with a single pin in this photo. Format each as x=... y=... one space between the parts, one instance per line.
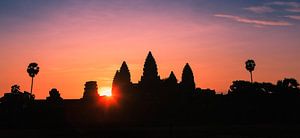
x=105 y=91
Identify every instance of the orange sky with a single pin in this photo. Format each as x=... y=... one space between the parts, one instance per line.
x=73 y=46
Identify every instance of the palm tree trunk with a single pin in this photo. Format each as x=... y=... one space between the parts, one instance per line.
x=251 y=76
x=31 y=85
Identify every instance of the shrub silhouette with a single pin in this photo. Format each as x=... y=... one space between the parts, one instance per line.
x=287 y=86
x=15 y=89
x=16 y=100
x=288 y=83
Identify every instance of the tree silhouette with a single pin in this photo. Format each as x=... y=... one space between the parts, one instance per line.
x=16 y=101
x=287 y=86
x=15 y=89
x=288 y=83
x=239 y=87
x=187 y=80
x=250 y=65
x=33 y=69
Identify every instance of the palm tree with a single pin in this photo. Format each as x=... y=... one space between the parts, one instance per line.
x=250 y=65
x=32 y=70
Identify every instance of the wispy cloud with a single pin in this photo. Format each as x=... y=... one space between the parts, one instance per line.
x=285 y=3
x=254 y=21
x=293 y=9
x=295 y=17
x=260 y=9
x=290 y=6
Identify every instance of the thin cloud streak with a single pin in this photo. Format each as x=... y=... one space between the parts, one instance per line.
x=291 y=6
x=260 y=9
x=295 y=17
x=253 y=21
x=293 y=10
x=284 y=3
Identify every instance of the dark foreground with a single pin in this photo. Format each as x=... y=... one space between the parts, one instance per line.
x=240 y=117
x=224 y=131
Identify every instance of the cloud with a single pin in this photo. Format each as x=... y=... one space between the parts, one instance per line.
x=284 y=3
x=295 y=17
x=260 y=9
x=291 y=6
x=293 y=9
x=253 y=21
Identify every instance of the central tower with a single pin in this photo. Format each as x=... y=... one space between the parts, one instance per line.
x=150 y=74
x=150 y=84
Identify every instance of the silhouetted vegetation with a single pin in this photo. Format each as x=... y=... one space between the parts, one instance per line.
x=15 y=100
x=286 y=87
x=250 y=66
x=156 y=102
x=32 y=69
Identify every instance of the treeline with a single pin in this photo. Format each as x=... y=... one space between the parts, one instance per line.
x=158 y=101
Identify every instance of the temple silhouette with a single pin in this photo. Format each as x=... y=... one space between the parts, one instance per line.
x=151 y=87
x=154 y=102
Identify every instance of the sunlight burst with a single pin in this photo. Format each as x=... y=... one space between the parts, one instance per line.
x=105 y=91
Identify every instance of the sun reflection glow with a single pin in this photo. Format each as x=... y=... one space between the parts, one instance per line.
x=105 y=91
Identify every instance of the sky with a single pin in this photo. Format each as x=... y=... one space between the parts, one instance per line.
x=75 y=41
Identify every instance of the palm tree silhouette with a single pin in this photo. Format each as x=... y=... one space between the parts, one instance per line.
x=250 y=65
x=32 y=69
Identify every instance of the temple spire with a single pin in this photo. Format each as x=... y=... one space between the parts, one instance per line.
x=122 y=82
x=150 y=69
x=172 y=78
x=116 y=78
x=187 y=80
x=124 y=74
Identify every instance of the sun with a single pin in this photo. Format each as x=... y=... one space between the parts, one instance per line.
x=105 y=91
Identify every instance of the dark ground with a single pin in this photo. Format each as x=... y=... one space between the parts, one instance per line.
x=222 y=117
x=234 y=131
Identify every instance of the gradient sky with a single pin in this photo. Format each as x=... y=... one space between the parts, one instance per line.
x=75 y=41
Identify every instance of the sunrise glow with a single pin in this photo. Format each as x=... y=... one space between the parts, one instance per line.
x=77 y=41
x=105 y=91
x=150 y=68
